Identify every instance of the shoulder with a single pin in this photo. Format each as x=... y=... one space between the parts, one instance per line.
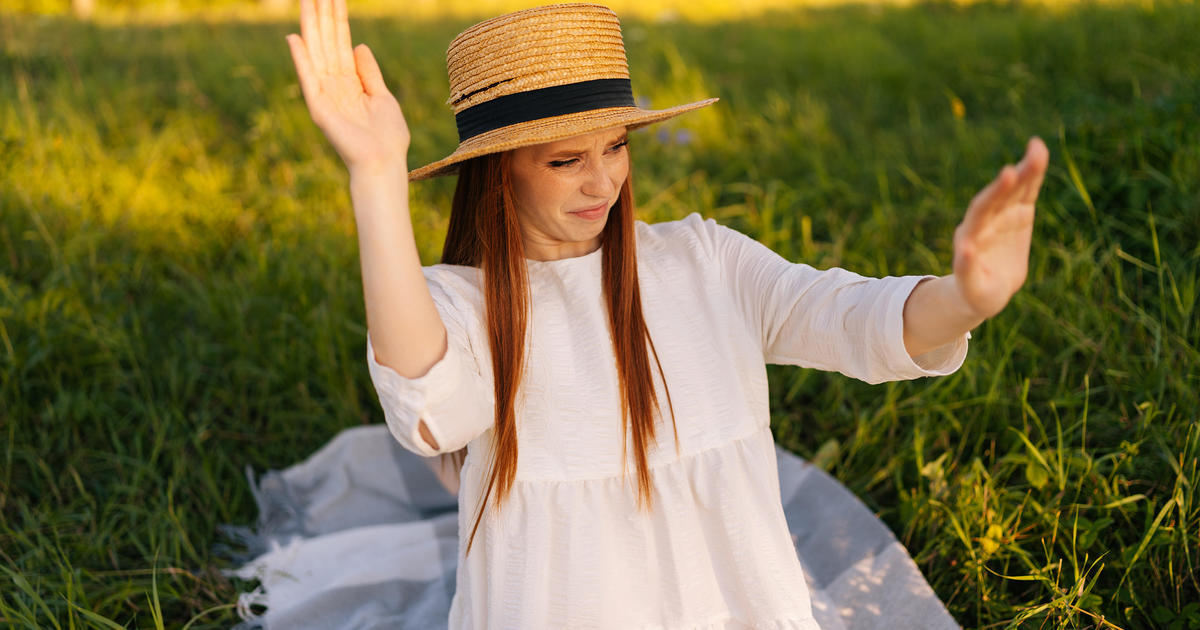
x=692 y=236
x=691 y=232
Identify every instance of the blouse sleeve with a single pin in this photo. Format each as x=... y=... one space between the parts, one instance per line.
x=833 y=320
x=453 y=397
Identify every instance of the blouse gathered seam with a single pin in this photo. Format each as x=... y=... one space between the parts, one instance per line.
x=678 y=461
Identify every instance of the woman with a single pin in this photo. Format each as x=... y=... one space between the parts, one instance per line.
x=564 y=331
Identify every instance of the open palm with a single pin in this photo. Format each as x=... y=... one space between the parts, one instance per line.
x=344 y=89
x=991 y=245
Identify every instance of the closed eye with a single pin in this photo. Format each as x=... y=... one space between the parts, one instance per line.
x=561 y=163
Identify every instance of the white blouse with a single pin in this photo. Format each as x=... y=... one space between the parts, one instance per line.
x=569 y=548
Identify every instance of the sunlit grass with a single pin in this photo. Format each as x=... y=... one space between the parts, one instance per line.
x=703 y=11
x=179 y=292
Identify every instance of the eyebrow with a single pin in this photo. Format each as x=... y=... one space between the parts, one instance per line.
x=574 y=153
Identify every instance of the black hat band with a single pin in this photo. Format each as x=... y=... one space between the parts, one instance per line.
x=545 y=102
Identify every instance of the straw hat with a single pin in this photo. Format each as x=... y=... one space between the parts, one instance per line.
x=537 y=76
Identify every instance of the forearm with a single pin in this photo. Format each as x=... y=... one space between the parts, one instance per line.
x=407 y=332
x=936 y=314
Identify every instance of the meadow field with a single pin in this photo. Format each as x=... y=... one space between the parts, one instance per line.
x=180 y=299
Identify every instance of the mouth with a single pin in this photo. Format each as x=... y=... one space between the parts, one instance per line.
x=591 y=214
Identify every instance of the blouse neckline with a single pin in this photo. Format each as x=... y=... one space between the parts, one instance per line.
x=560 y=263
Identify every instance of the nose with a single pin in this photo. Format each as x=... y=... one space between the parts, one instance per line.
x=598 y=182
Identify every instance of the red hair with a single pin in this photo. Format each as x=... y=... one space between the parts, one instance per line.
x=484 y=232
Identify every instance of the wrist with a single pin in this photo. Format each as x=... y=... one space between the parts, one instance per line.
x=378 y=182
x=956 y=302
x=378 y=192
x=936 y=313
x=395 y=170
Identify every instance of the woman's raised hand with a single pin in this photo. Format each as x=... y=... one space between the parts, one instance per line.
x=991 y=245
x=991 y=258
x=344 y=90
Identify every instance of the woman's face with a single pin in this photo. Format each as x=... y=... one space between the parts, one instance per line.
x=565 y=189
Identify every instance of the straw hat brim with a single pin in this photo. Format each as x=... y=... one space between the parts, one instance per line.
x=549 y=130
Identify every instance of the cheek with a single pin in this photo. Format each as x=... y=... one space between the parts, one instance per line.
x=529 y=194
x=520 y=189
x=544 y=201
x=620 y=170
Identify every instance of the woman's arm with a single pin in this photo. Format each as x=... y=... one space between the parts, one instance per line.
x=348 y=100
x=406 y=331
x=991 y=258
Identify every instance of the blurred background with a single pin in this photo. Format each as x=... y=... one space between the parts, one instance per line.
x=180 y=298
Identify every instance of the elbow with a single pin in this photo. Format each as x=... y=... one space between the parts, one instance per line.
x=421 y=439
x=416 y=437
x=426 y=435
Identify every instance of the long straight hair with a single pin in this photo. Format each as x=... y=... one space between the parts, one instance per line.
x=484 y=232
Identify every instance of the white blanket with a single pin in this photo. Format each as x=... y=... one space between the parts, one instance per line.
x=362 y=535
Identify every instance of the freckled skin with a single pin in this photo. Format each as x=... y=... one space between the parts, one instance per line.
x=553 y=179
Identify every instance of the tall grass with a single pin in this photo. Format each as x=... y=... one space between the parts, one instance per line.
x=179 y=294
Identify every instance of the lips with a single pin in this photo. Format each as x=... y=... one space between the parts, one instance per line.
x=591 y=214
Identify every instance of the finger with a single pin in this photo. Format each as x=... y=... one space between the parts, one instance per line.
x=1033 y=167
x=311 y=33
x=368 y=70
x=329 y=36
x=304 y=69
x=342 y=20
x=997 y=194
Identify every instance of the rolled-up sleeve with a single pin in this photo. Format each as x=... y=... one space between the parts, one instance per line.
x=831 y=319
x=453 y=397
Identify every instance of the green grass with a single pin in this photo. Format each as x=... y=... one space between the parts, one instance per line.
x=179 y=292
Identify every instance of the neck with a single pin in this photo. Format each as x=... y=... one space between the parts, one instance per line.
x=543 y=251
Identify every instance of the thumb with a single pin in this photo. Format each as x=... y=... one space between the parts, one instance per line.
x=368 y=70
